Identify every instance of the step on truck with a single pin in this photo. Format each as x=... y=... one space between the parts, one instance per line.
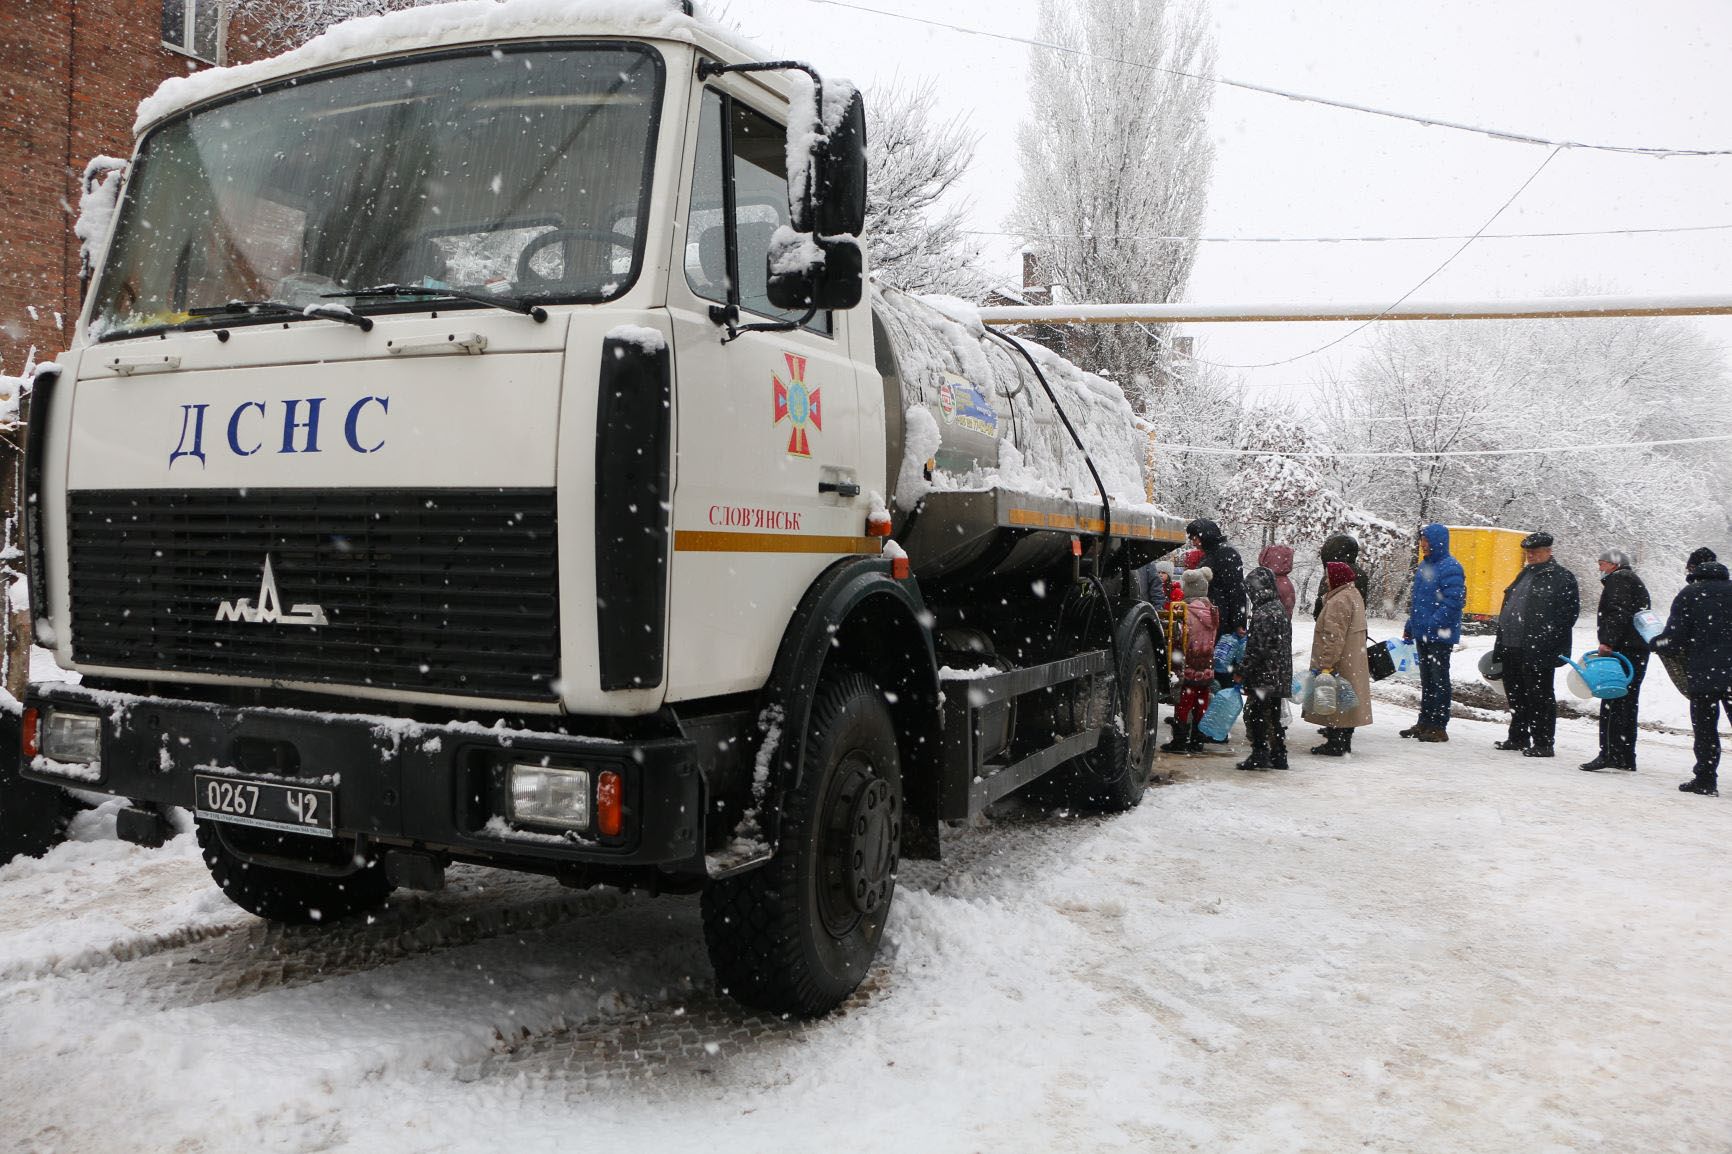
x=482 y=444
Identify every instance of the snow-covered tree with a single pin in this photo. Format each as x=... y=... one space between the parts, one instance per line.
x=1296 y=500
x=1456 y=387
x=1116 y=151
x=914 y=223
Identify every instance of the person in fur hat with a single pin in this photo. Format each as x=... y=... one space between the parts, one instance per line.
x=1198 y=679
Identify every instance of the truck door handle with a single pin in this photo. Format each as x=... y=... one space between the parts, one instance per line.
x=840 y=488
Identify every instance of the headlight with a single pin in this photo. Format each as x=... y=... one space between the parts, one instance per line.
x=551 y=797
x=72 y=737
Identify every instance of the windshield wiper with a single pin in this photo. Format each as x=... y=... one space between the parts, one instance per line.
x=286 y=309
x=509 y=304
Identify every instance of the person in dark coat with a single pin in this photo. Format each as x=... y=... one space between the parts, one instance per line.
x=1266 y=671
x=1227 y=587
x=1540 y=608
x=1695 y=561
x=1622 y=596
x=1699 y=628
x=1342 y=547
x=1434 y=627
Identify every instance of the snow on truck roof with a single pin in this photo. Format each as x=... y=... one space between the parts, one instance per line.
x=445 y=25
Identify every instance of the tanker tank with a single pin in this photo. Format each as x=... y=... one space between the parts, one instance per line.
x=985 y=479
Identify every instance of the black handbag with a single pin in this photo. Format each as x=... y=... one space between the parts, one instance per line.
x=1378 y=657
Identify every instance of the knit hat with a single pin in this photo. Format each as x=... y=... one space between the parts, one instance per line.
x=1338 y=573
x=1195 y=582
x=1193 y=558
x=1616 y=558
x=1164 y=567
x=1698 y=557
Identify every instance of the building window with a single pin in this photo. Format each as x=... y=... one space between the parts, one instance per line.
x=194 y=27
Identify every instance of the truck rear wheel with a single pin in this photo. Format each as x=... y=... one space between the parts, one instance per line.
x=1112 y=777
x=282 y=894
x=798 y=935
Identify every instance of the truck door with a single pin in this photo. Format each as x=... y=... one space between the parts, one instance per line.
x=768 y=441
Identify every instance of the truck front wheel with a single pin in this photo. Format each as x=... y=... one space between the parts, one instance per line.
x=797 y=935
x=236 y=857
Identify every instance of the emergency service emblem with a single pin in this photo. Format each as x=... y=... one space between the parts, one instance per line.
x=797 y=406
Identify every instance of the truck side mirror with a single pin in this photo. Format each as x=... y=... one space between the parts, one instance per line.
x=829 y=197
x=839 y=192
x=806 y=272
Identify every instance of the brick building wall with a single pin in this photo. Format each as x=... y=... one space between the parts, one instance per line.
x=73 y=73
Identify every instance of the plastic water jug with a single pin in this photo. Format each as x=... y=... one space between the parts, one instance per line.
x=1649 y=624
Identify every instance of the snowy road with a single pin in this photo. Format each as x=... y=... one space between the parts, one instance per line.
x=1422 y=948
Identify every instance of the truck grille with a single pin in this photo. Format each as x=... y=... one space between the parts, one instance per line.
x=442 y=590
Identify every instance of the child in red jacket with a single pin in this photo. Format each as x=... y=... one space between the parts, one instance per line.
x=1199 y=675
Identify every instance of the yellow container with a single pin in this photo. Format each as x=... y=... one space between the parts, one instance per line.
x=1491 y=558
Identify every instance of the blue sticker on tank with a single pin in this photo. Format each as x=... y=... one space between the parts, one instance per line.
x=963 y=404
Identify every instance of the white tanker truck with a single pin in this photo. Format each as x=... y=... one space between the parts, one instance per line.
x=480 y=445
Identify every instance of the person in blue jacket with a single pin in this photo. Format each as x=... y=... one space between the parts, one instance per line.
x=1434 y=627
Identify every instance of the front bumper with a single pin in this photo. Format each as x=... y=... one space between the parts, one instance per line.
x=396 y=782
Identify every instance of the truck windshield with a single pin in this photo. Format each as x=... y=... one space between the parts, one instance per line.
x=521 y=172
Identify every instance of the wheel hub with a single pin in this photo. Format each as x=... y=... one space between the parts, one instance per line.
x=864 y=841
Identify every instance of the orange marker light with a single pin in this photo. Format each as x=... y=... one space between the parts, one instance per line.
x=32 y=721
x=1076 y=546
x=609 y=804
x=899 y=567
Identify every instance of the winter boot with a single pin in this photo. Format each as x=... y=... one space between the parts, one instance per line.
x=1259 y=759
x=1512 y=743
x=1705 y=784
x=1180 y=742
x=1332 y=745
x=1346 y=740
x=1432 y=733
x=1278 y=760
x=1412 y=731
x=1598 y=763
x=1539 y=751
x=1196 y=742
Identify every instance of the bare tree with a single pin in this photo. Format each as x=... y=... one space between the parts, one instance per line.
x=1116 y=153
x=914 y=223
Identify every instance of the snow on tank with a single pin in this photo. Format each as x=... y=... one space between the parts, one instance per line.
x=981 y=449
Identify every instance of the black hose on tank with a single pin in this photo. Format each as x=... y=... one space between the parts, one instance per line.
x=1106 y=504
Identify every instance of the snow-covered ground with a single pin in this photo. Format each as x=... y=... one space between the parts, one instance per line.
x=1421 y=948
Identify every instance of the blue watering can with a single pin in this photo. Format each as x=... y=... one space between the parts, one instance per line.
x=1602 y=676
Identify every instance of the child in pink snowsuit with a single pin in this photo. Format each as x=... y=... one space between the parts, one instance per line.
x=1199 y=676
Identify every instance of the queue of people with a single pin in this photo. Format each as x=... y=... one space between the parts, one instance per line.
x=1535 y=628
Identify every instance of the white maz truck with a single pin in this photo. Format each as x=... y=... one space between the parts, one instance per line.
x=481 y=444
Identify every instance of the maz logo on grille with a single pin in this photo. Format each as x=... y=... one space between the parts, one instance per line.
x=269 y=609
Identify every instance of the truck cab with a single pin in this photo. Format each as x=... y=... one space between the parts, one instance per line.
x=474 y=449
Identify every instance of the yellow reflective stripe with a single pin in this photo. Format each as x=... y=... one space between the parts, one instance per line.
x=718 y=541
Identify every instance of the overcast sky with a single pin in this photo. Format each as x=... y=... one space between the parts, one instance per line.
x=1603 y=71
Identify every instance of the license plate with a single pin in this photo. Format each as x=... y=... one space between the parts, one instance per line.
x=265 y=804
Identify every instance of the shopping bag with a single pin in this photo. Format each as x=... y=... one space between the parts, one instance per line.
x=1382 y=663
x=1406 y=657
x=1301 y=687
x=1346 y=697
x=1224 y=709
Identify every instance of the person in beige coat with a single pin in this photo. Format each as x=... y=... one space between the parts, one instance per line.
x=1338 y=647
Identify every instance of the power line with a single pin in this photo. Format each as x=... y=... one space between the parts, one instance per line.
x=1286 y=94
x=1209 y=450
x=1490 y=220
x=1342 y=239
